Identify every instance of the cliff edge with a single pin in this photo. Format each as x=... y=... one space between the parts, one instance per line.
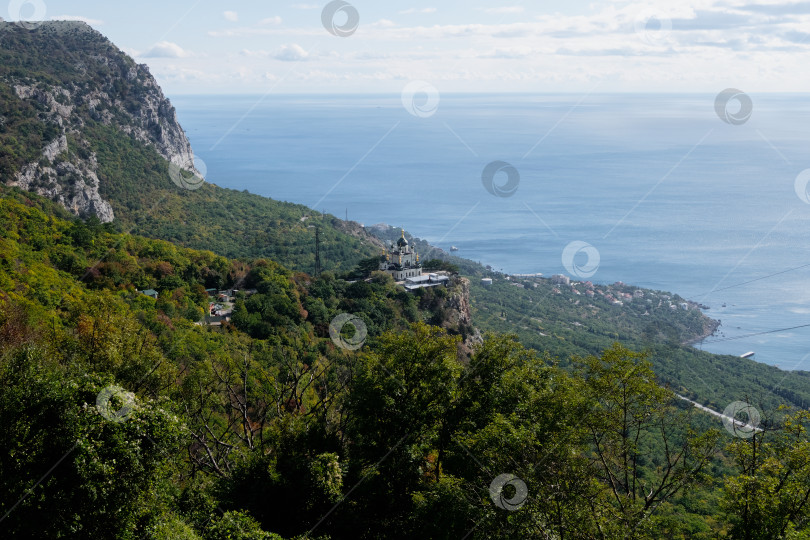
x=61 y=84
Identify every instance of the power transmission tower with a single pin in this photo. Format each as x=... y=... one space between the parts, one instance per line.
x=317 y=251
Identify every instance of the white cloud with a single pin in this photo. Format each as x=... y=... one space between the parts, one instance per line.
x=291 y=53
x=166 y=49
x=231 y=16
x=383 y=23
x=245 y=32
x=414 y=10
x=506 y=10
x=180 y=75
x=711 y=43
x=510 y=53
x=87 y=20
x=254 y=54
x=258 y=29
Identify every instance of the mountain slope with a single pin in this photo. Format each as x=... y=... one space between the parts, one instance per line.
x=61 y=79
x=73 y=323
x=84 y=125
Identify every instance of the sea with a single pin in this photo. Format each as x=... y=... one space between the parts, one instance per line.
x=668 y=192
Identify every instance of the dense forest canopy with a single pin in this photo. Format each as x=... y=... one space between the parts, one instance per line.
x=127 y=418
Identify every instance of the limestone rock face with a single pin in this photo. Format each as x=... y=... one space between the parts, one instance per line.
x=155 y=123
x=80 y=196
x=101 y=85
x=458 y=315
x=459 y=303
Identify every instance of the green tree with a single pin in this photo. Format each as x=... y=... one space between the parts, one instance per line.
x=237 y=526
x=398 y=404
x=365 y=267
x=519 y=414
x=642 y=447
x=770 y=495
x=72 y=468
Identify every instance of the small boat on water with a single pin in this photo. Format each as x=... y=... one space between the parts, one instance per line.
x=749 y=354
x=453 y=248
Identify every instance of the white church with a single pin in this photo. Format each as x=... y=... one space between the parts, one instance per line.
x=401 y=261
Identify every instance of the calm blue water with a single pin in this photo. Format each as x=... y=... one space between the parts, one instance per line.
x=672 y=197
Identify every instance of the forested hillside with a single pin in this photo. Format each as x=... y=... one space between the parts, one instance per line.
x=125 y=419
x=563 y=320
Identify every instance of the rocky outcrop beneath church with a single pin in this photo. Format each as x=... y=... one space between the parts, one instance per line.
x=77 y=81
x=457 y=313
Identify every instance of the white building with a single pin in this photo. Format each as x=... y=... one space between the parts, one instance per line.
x=561 y=279
x=430 y=280
x=401 y=261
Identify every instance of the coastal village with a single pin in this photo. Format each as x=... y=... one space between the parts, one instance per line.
x=616 y=294
x=589 y=305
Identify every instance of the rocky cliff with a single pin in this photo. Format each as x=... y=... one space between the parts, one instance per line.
x=458 y=315
x=58 y=82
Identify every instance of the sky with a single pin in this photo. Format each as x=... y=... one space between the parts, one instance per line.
x=254 y=47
